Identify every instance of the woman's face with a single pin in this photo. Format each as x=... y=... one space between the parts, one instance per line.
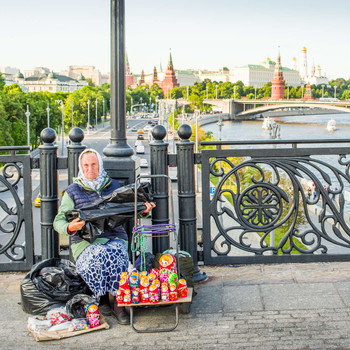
x=89 y=164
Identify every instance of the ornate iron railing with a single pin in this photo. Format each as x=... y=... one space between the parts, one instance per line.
x=16 y=224
x=281 y=203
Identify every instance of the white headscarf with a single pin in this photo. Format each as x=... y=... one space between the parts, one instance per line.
x=94 y=184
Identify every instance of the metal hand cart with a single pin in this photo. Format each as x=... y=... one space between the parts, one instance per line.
x=156 y=231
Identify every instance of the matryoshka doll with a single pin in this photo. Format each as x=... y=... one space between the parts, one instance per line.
x=127 y=296
x=165 y=292
x=153 y=294
x=168 y=262
x=135 y=296
x=173 y=291
x=120 y=296
x=182 y=288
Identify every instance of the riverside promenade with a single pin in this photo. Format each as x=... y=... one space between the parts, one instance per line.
x=287 y=306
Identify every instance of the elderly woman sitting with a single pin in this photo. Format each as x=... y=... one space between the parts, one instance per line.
x=101 y=262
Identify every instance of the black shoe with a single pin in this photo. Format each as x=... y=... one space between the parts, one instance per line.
x=122 y=317
x=105 y=310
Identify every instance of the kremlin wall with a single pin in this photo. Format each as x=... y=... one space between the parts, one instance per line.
x=255 y=75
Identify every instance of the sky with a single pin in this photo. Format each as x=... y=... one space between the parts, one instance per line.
x=202 y=34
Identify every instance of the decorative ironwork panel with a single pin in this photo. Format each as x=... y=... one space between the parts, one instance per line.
x=16 y=222
x=276 y=205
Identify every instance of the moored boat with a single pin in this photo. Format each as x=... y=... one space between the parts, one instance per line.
x=331 y=125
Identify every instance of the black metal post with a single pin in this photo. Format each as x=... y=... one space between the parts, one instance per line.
x=159 y=165
x=118 y=161
x=49 y=194
x=76 y=135
x=187 y=198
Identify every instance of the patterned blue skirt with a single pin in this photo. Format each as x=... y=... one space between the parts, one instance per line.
x=100 y=266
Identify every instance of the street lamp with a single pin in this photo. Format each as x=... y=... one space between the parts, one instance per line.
x=288 y=92
x=60 y=102
x=322 y=90
x=187 y=92
x=234 y=91
x=103 y=121
x=255 y=92
x=174 y=130
x=216 y=93
x=72 y=106
x=96 y=113
x=88 y=126
x=28 y=134
x=302 y=91
x=207 y=91
x=335 y=91
x=48 y=115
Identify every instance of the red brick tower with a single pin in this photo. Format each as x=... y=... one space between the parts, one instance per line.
x=308 y=92
x=129 y=77
x=142 y=80
x=155 y=76
x=278 y=83
x=169 y=81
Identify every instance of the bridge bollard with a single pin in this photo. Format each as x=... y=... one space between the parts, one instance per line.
x=187 y=197
x=160 y=186
x=76 y=135
x=49 y=194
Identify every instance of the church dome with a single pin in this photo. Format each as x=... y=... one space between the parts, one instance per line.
x=51 y=75
x=19 y=75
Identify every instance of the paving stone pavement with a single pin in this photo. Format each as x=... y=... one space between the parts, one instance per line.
x=287 y=306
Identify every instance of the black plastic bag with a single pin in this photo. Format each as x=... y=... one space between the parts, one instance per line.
x=50 y=283
x=75 y=307
x=115 y=209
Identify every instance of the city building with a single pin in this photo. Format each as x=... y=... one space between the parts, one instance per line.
x=223 y=75
x=50 y=82
x=257 y=75
x=89 y=72
x=278 y=83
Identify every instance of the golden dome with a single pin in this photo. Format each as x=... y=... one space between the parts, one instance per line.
x=303 y=49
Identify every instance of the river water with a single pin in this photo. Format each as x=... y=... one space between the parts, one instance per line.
x=295 y=127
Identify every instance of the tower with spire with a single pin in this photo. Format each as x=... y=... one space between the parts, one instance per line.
x=142 y=79
x=303 y=70
x=170 y=80
x=278 y=83
x=155 y=76
x=129 y=77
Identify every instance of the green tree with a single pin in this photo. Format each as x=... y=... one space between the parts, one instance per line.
x=2 y=81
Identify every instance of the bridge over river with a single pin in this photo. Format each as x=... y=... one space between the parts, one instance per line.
x=246 y=109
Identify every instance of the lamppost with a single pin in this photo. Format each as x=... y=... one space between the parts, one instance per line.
x=28 y=134
x=197 y=112
x=174 y=151
x=302 y=91
x=216 y=92
x=60 y=102
x=207 y=91
x=288 y=92
x=103 y=104
x=187 y=92
x=96 y=113
x=72 y=106
x=234 y=91
x=322 y=90
x=255 y=92
x=88 y=125
x=335 y=91
x=141 y=107
x=150 y=101
x=48 y=115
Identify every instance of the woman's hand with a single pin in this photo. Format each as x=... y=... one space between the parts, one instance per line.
x=76 y=225
x=149 y=207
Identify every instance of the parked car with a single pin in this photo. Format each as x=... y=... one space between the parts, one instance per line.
x=140 y=137
x=138 y=143
x=140 y=149
x=134 y=129
x=37 y=200
x=143 y=163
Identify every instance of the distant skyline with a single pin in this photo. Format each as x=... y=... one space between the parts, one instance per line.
x=202 y=34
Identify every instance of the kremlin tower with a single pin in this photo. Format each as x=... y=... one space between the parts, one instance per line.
x=170 y=80
x=155 y=76
x=142 y=79
x=278 y=83
x=129 y=77
x=308 y=92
